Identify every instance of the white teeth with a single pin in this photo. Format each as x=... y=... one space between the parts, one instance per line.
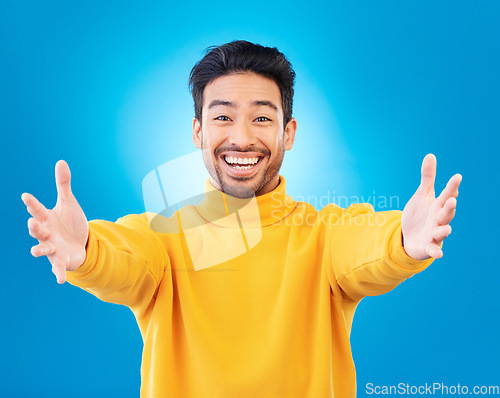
x=243 y=161
x=246 y=163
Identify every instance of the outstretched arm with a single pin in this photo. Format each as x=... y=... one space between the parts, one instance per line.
x=121 y=262
x=426 y=219
x=373 y=252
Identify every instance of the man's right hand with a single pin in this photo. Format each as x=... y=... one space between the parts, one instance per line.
x=62 y=232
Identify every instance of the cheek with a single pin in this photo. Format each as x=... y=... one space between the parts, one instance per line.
x=211 y=140
x=277 y=143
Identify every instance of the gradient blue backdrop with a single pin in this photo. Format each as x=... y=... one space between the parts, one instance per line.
x=103 y=85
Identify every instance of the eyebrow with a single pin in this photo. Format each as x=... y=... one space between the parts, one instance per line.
x=218 y=102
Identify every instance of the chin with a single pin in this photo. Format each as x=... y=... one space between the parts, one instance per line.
x=243 y=188
x=241 y=192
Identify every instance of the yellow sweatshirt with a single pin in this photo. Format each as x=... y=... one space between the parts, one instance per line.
x=251 y=298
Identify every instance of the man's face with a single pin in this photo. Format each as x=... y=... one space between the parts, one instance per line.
x=243 y=139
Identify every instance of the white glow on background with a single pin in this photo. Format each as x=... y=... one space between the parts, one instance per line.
x=156 y=120
x=319 y=161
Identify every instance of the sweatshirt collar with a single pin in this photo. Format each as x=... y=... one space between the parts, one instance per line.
x=227 y=211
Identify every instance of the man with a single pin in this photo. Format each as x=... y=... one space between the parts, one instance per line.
x=275 y=320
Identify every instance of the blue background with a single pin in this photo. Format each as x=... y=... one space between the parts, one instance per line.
x=103 y=85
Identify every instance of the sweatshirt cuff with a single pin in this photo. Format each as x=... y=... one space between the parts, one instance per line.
x=90 y=260
x=401 y=258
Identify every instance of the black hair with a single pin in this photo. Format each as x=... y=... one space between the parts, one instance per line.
x=243 y=56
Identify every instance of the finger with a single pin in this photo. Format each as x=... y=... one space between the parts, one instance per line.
x=433 y=250
x=441 y=232
x=36 y=230
x=42 y=249
x=63 y=180
x=428 y=173
x=447 y=213
x=59 y=270
x=34 y=207
x=451 y=189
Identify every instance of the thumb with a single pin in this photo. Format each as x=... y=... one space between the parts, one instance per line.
x=63 y=180
x=428 y=173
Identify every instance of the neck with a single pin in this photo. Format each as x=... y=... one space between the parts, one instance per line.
x=268 y=208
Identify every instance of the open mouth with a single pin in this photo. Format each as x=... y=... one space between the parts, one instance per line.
x=242 y=163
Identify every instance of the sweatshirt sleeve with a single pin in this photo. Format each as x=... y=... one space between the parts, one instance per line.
x=125 y=262
x=367 y=253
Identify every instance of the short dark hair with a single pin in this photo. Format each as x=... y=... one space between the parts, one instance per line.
x=243 y=56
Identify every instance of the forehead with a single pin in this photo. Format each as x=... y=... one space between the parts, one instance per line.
x=242 y=88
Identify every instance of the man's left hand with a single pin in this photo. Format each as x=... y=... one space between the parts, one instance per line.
x=426 y=219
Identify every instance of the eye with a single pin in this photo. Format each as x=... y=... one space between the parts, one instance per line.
x=221 y=118
x=263 y=117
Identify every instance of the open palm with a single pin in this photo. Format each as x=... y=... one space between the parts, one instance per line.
x=426 y=219
x=62 y=232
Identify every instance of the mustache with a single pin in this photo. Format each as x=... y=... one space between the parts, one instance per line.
x=236 y=148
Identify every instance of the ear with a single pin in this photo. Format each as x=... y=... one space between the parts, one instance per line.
x=290 y=130
x=196 y=133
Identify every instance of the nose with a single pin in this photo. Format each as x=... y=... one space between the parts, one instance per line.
x=242 y=135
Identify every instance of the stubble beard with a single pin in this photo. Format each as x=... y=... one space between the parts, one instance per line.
x=242 y=191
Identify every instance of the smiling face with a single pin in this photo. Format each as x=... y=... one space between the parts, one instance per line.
x=242 y=136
